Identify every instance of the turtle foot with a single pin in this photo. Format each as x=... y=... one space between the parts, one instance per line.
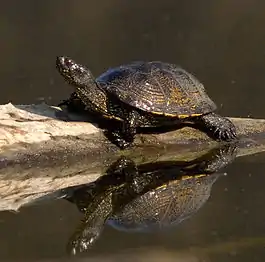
x=218 y=127
x=115 y=137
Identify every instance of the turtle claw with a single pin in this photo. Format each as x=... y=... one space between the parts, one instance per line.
x=226 y=132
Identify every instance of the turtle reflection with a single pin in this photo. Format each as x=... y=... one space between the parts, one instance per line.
x=145 y=197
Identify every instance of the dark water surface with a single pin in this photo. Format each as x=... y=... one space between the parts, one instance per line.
x=221 y=42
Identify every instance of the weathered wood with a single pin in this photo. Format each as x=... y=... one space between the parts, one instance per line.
x=40 y=152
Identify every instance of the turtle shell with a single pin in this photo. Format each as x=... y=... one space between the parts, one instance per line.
x=159 y=88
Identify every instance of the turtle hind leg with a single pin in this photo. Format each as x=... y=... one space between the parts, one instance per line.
x=217 y=127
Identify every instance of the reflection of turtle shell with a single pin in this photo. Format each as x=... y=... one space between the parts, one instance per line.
x=164 y=206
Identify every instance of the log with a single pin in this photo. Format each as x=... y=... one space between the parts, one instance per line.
x=44 y=149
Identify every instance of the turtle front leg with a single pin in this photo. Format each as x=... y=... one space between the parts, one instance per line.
x=123 y=135
x=116 y=137
x=217 y=127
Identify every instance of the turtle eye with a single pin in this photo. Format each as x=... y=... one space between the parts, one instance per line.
x=73 y=67
x=66 y=63
x=70 y=64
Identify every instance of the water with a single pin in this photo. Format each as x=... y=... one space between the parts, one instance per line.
x=221 y=42
x=229 y=225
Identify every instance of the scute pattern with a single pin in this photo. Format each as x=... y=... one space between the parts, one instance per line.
x=157 y=87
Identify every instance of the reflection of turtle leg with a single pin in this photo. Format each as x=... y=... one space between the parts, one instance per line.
x=217 y=127
x=122 y=165
x=217 y=159
x=128 y=169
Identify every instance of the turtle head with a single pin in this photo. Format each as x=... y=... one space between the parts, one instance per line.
x=86 y=87
x=73 y=72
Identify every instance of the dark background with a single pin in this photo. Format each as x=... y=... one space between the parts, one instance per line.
x=222 y=42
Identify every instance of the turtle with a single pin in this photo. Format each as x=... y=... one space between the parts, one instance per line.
x=141 y=95
x=145 y=197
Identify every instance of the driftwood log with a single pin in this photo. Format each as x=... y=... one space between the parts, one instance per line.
x=43 y=149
